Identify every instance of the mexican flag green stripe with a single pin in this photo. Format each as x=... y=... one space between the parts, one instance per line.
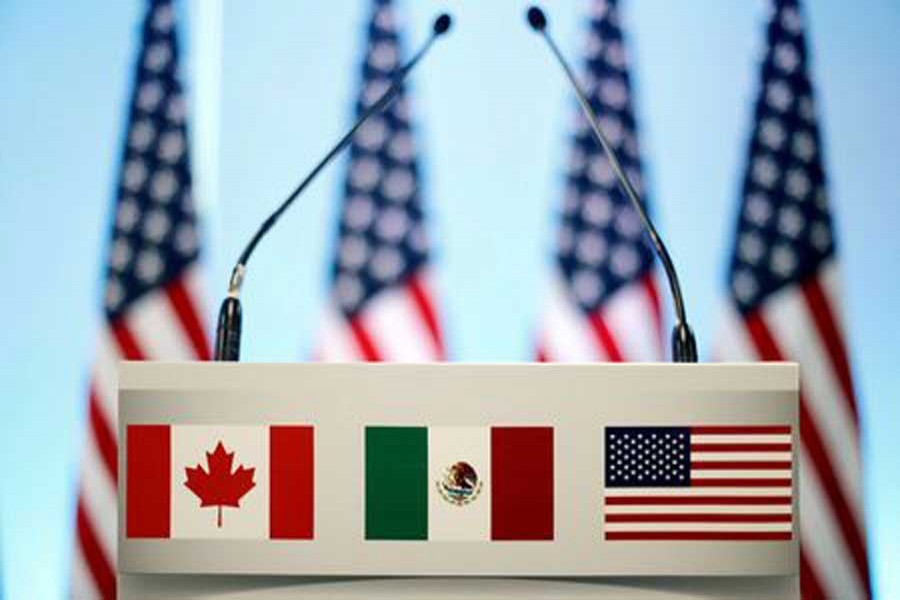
x=396 y=467
x=459 y=483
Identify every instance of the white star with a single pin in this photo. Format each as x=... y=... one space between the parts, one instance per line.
x=149 y=95
x=820 y=236
x=628 y=224
x=577 y=162
x=384 y=19
x=401 y=147
x=783 y=261
x=797 y=184
x=383 y=56
x=624 y=261
x=163 y=185
x=121 y=254
x=354 y=252
x=349 y=291
x=135 y=174
x=417 y=239
x=149 y=265
x=786 y=57
x=171 y=146
x=372 y=134
x=765 y=171
x=127 y=214
x=791 y=221
x=779 y=95
x=751 y=247
x=387 y=263
x=365 y=173
x=613 y=129
x=373 y=90
x=392 y=225
x=600 y=171
x=163 y=18
x=616 y=55
x=758 y=209
x=156 y=225
x=141 y=135
x=614 y=92
x=186 y=239
x=114 y=294
x=593 y=46
x=803 y=146
x=175 y=108
x=790 y=20
x=772 y=133
x=597 y=209
x=359 y=212
x=587 y=286
x=591 y=248
x=157 y=56
x=399 y=185
x=744 y=285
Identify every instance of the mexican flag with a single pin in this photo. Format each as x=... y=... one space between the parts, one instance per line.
x=219 y=481
x=459 y=483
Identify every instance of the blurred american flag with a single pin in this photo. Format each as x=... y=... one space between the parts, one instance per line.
x=784 y=304
x=381 y=305
x=152 y=309
x=604 y=301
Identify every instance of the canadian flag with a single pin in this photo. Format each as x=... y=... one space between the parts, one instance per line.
x=219 y=481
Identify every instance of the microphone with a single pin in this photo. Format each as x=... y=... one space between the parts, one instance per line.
x=228 y=329
x=684 y=345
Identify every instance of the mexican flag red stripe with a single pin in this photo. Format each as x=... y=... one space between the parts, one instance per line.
x=219 y=481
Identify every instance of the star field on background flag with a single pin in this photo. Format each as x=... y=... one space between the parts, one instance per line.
x=151 y=295
x=784 y=304
x=604 y=301
x=381 y=306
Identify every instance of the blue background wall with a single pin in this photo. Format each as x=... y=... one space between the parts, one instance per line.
x=494 y=114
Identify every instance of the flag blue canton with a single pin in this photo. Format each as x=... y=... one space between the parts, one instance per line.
x=155 y=237
x=785 y=229
x=648 y=457
x=600 y=244
x=382 y=241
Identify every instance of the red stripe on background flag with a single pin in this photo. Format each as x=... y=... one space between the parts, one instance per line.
x=103 y=435
x=188 y=315
x=291 y=495
x=522 y=490
x=605 y=337
x=364 y=341
x=97 y=561
x=129 y=348
x=426 y=310
x=148 y=487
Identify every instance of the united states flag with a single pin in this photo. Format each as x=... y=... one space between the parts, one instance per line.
x=784 y=304
x=703 y=482
x=381 y=305
x=151 y=293
x=604 y=301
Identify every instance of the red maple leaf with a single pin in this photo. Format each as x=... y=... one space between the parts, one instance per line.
x=219 y=487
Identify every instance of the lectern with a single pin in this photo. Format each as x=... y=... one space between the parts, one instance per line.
x=458 y=480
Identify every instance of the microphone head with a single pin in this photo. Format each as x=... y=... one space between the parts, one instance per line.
x=536 y=18
x=442 y=24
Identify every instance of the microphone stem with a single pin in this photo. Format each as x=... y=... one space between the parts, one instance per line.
x=684 y=348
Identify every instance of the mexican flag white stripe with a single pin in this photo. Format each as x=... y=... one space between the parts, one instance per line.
x=446 y=447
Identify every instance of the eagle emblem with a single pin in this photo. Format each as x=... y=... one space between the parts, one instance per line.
x=460 y=484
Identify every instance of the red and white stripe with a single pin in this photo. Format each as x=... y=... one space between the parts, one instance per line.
x=803 y=323
x=398 y=325
x=740 y=490
x=627 y=328
x=164 y=325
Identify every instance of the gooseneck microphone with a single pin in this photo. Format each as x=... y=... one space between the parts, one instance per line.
x=684 y=346
x=228 y=329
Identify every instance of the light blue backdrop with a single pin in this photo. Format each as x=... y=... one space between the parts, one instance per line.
x=494 y=114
